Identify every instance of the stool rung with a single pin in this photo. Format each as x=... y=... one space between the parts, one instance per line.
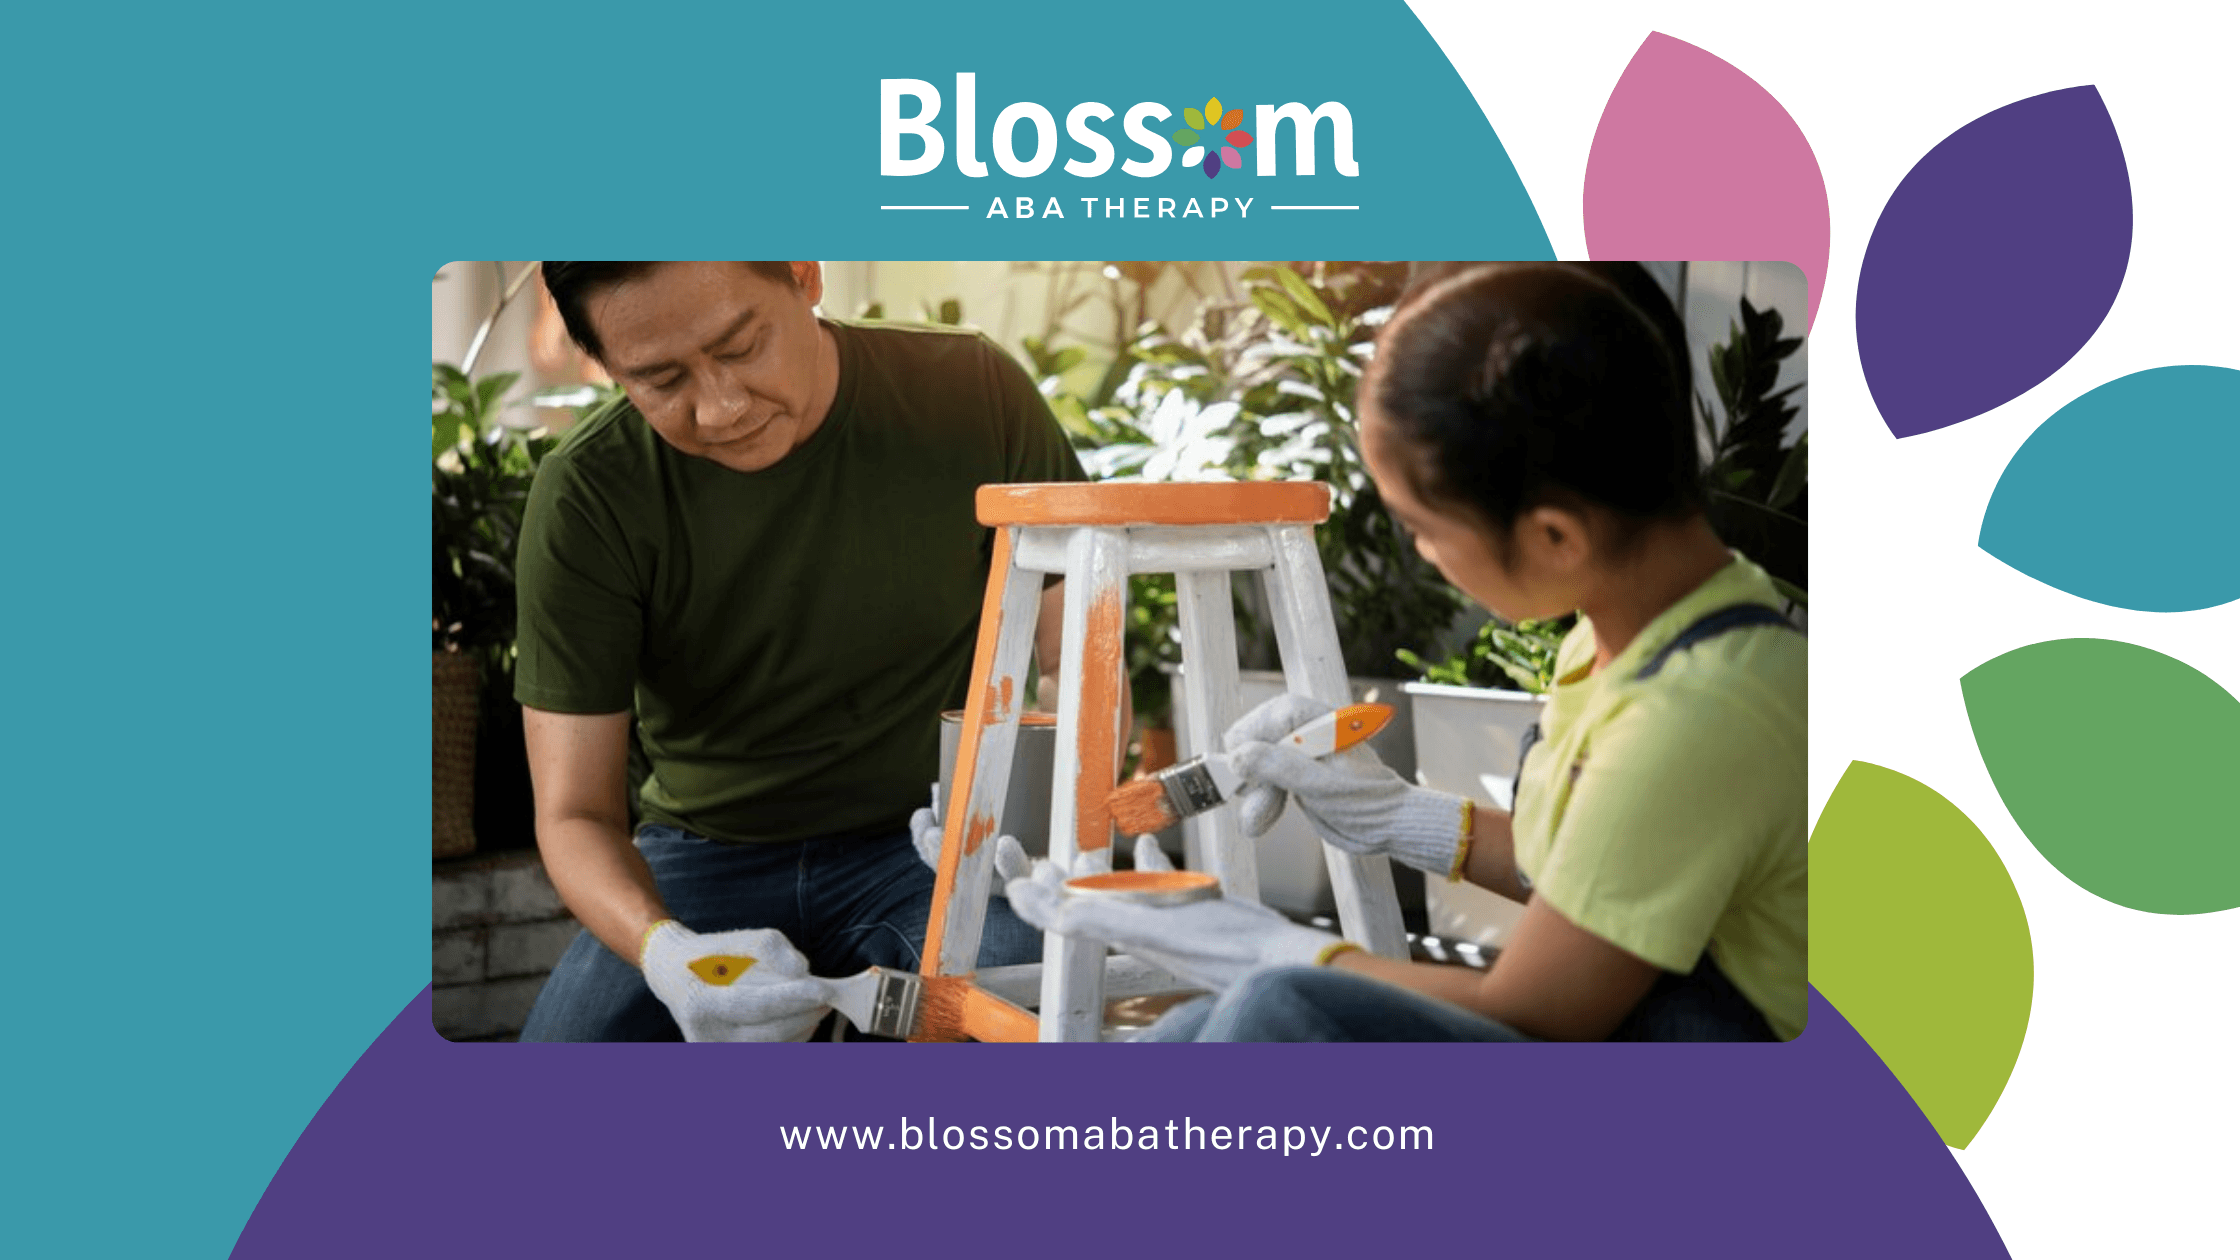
x=1156 y=549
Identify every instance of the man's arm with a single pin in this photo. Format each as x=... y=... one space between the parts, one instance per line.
x=579 y=768
x=1049 y=638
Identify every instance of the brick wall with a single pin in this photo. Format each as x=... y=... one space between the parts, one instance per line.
x=499 y=927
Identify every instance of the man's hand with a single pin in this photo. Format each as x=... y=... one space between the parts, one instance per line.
x=747 y=985
x=1352 y=798
x=925 y=831
x=1209 y=943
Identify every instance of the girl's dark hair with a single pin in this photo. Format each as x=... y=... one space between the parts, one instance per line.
x=1513 y=385
x=572 y=284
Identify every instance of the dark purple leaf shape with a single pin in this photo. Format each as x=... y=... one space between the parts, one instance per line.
x=1994 y=261
x=1213 y=164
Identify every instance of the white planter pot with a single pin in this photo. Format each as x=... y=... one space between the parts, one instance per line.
x=1466 y=742
x=1294 y=876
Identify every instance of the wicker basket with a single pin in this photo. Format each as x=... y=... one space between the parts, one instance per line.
x=457 y=700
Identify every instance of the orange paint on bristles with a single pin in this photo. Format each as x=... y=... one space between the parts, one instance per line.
x=1141 y=807
x=953 y=1008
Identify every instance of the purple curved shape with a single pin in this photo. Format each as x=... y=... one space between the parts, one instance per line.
x=434 y=1149
x=1994 y=261
x=1213 y=164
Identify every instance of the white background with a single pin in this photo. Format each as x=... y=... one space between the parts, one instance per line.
x=2118 y=1132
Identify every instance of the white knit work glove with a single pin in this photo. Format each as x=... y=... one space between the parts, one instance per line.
x=1352 y=798
x=925 y=831
x=750 y=985
x=1212 y=944
x=1011 y=858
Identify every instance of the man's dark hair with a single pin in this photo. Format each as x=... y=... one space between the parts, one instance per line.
x=573 y=283
x=1513 y=385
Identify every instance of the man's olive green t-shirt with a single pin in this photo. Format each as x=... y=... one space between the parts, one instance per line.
x=787 y=638
x=1666 y=815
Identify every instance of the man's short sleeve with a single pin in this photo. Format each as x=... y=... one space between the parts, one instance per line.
x=580 y=619
x=1035 y=445
x=1664 y=823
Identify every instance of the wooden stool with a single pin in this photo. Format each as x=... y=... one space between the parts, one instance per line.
x=1095 y=536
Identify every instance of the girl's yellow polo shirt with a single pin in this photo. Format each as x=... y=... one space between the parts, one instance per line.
x=1667 y=815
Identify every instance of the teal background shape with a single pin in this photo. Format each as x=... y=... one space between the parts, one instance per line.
x=214 y=520
x=2127 y=496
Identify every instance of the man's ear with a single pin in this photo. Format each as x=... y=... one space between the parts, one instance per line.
x=808 y=278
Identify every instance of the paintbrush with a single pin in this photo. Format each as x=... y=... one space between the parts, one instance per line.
x=1199 y=784
x=879 y=1000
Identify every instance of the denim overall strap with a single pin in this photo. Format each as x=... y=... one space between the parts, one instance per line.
x=1709 y=626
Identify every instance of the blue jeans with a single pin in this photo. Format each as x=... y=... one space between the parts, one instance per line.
x=845 y=904
x=1322 y=1004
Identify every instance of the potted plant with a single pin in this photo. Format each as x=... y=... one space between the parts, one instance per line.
x=481 y=474
x=1756 y=496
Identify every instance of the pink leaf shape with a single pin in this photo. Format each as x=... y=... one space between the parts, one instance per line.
x=1230 y=159
x=1692 y=159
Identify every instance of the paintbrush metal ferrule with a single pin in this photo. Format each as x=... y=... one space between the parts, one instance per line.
x=1191 y=788
x=894 y=1010
x=879 y=1001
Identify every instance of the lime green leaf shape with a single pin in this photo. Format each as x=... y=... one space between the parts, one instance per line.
x=1919 y=939
x=2118 y=763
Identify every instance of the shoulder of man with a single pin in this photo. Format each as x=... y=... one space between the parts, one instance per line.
x=923 y=346
x=609 y=440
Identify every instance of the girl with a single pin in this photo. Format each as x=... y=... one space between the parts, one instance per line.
x=1529 y=424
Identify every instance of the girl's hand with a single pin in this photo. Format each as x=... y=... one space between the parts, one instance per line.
x=1354 y=800
x=1212 y=944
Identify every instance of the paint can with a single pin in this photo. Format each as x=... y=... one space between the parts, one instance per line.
x=1147 y=888
x=1034 y=756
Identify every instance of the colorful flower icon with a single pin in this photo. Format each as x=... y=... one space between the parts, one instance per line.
x=1208 y=157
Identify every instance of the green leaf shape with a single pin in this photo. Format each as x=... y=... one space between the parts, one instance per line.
x=1194 y=118
x=1185 y=136
x=1919 y=939
x=2118 y=763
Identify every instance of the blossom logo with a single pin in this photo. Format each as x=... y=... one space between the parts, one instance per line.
x=1024 y=140
x=1211 y=153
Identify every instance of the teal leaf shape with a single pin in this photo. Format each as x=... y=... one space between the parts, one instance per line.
x=1918 y=937
x=2124 y=496
x=2119 y=764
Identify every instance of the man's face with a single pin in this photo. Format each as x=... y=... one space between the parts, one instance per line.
x=724 y=363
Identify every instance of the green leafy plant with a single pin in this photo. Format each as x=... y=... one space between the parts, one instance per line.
x=1518 y=656
x=1755 y=480
x=481 y=475
x=1262 y=388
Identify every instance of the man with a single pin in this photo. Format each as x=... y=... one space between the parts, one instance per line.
x=767 y=553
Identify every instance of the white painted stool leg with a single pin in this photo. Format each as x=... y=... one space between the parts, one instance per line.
x=1089 y=681
x=1209 y=697
x=1313 y=665
x=983 y=776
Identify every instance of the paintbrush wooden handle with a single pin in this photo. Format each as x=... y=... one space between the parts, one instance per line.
x=1335 y=732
